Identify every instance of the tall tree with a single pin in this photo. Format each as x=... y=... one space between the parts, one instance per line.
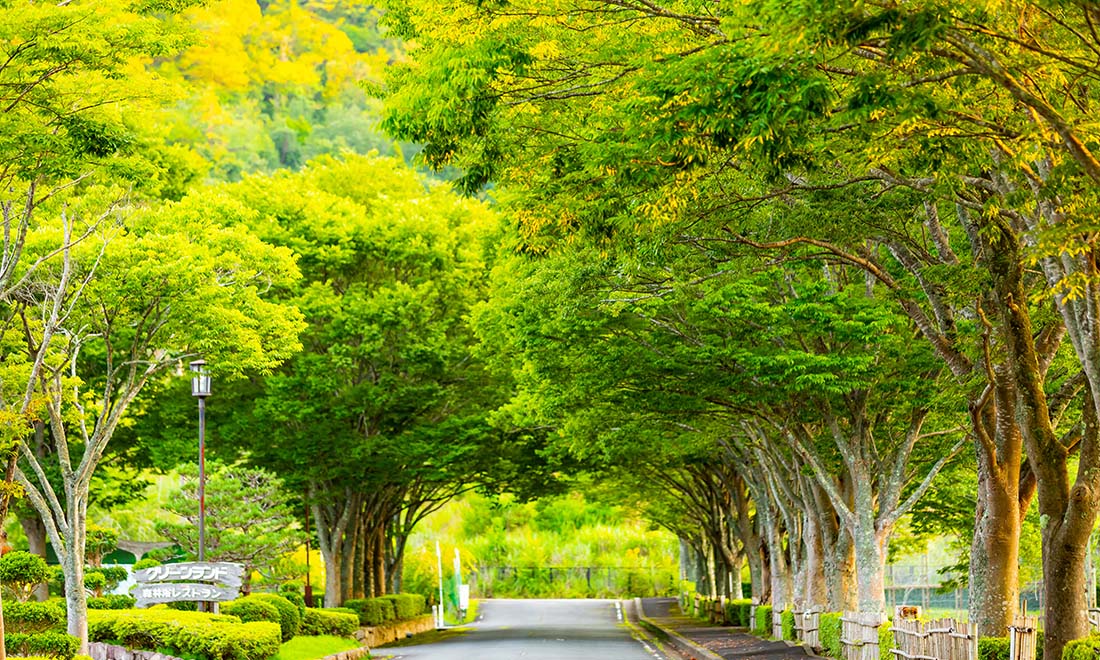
x=381 y=418
x=159 y=287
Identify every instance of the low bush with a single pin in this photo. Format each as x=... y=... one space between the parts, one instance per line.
x=111 y=602
x=327 y=622
x=993 y=648
x=55 y=645
x=213 y=636
x=788 y=625
x=828 y=630
x=250 y=608
x=290 y=619
x=32 y=617
x=298 y=600
x=997 y=648
x=763 y=624
x=1082 y=649
x=885 y=639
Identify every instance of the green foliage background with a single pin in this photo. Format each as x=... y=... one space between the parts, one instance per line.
x=563 y=531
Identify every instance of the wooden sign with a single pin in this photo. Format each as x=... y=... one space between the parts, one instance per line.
x=215 y=572
x=151 y=594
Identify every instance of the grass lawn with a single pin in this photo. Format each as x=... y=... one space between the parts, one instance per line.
x=312 y=648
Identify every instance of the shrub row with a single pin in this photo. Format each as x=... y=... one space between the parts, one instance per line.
x=395 y=607
x=738 y=612
x=328 y=622
x=212 y=636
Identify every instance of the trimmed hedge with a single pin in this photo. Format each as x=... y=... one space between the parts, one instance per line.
x=407 y=606
x=763 y=624
x=828 y=630
x=215 y=636
x=372 y=611
x=55 y=645
x=327 y=622
x=737 y=612
x=32 y=617
x=788 y=625
x=290 y=619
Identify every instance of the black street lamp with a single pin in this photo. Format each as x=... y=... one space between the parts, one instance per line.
x=200 y=387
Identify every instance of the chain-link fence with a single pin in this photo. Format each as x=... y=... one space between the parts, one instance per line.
x=922 y=584
x=572 y=581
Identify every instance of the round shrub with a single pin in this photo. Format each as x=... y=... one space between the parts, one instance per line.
x=21 y=572
x=95 y=582
x=146 y=562
x=289 y=618
x=251 y=608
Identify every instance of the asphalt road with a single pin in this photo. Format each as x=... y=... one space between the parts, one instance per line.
x=538 y=630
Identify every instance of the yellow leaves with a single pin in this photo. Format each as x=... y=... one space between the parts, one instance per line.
x=287 y=46
x=546 y=50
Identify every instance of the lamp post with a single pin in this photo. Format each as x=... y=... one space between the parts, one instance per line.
x=200 y=387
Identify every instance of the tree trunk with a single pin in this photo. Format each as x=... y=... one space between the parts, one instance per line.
x=737 y=592
x=72 y=561
x=361 y=585
x=814 y=592
x=333 y=523
x=379 y=561
x=333 y=588
x=995 y=549
x=347 y=567
x=1063 y=587
x=870 y=556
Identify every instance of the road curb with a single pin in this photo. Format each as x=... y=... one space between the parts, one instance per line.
x=675 y=639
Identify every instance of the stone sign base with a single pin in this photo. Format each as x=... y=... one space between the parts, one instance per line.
x=372 y=636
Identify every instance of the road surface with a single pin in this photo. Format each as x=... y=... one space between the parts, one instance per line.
x=538 y=630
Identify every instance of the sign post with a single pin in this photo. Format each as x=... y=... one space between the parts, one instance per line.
x=439 y=562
